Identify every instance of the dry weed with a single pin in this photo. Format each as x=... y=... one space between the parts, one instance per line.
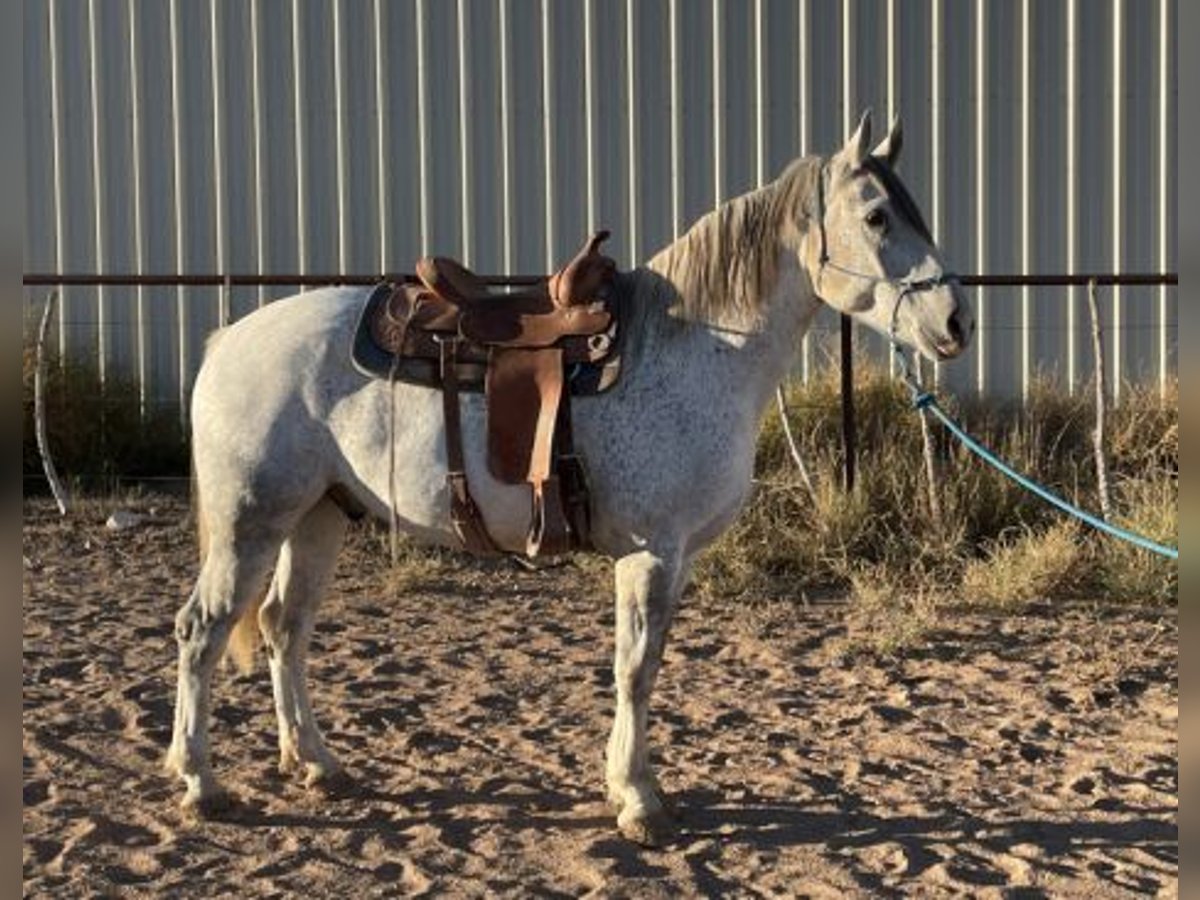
x=414 y=567
x=1051 y=562
x=890 y=615
x=1129 y=573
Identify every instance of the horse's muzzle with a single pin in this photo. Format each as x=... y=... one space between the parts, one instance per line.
x=959 y=329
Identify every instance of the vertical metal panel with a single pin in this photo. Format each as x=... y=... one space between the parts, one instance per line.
x=75 y=187
x=1140 y=28
x=153 y=152
x=465 y=111
x=481 y=143
x=699 y=162
x=610 y=147
x=233 y=83
x=676 y=123
x=651 y=102
x=589 y=108
x=383 y=195
x=760 y=96
x=781 y=76
x=804 y=117
x=300 y=122
x=527 y=217
x=319 y=113
x=547 y=129
x=40 y=166
x=361 y=190
x=142 y=321
x=181 y=294
x=277 y=218
x=297 y=135
x=341 y=137
x=737 y=98
x=1047 y=118
x=260 y=191
x=1001 y=324
x=219 y=154
x=100 y=201
x=424 y=116
x=195 y=197
x=1071 y=177
x=1026 y=66
x=506 y=134
x=718 y=103
x=1094 y=159
x=1116 y=339
x=1167 y=333
x=982 y=299
x=957 y=175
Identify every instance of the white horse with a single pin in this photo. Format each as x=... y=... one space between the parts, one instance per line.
x=281 y=418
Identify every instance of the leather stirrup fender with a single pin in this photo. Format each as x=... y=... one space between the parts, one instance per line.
x=465 y=517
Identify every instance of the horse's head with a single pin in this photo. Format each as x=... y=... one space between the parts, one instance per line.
x=870 y=255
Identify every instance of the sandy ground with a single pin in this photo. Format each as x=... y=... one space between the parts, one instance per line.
x=1014 y=757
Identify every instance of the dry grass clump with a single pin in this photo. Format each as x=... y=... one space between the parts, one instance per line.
x=97 y=431
x=1151 y=507
x=889 y=614
x=995 y=542
x=1034 y=565
x=414 y=566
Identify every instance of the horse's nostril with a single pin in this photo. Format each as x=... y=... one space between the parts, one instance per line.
x=954 y=326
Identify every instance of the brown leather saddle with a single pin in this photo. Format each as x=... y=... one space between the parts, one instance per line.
x=528 y=350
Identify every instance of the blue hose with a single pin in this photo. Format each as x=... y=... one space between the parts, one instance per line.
x=927 y=401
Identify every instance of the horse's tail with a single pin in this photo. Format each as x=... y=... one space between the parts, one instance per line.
x=243 y=640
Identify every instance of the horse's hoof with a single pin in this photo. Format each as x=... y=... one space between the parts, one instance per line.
x=334 y=785
x=670 y=808
x=217 y=805
x=651 y=830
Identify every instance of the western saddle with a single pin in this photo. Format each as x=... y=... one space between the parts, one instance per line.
x=528 y=351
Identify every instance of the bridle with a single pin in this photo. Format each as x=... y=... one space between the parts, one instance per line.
x=907 y=208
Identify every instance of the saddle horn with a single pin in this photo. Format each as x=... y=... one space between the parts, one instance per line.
x=583 y=278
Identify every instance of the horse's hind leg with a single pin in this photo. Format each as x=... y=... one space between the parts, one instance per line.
x=306 y=562
x=647 y=589
x=232 y=574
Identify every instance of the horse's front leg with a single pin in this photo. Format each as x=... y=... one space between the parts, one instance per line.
x=648 y=587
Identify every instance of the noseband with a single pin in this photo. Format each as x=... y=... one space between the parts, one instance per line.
x=908 y=210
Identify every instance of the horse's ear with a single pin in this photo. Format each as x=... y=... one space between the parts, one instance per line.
x=889 y=148
x=859 y=144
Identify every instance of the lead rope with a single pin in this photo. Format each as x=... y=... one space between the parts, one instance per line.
x=925 y=400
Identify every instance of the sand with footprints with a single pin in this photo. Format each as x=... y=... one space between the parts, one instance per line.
x=1011 y=757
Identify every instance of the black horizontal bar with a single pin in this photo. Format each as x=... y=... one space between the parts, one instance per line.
x=1083 y=278
x=93 y=280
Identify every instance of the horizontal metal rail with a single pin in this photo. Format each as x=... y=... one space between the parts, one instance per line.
x=236 y=280
x=91 y=280
x=1082 y=279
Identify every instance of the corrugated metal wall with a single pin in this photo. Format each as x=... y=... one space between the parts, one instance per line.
x=331 y=135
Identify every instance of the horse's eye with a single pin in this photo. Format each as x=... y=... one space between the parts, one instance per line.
x=877 y=219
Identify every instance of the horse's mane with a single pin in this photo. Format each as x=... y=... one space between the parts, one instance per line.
x=724 y=267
